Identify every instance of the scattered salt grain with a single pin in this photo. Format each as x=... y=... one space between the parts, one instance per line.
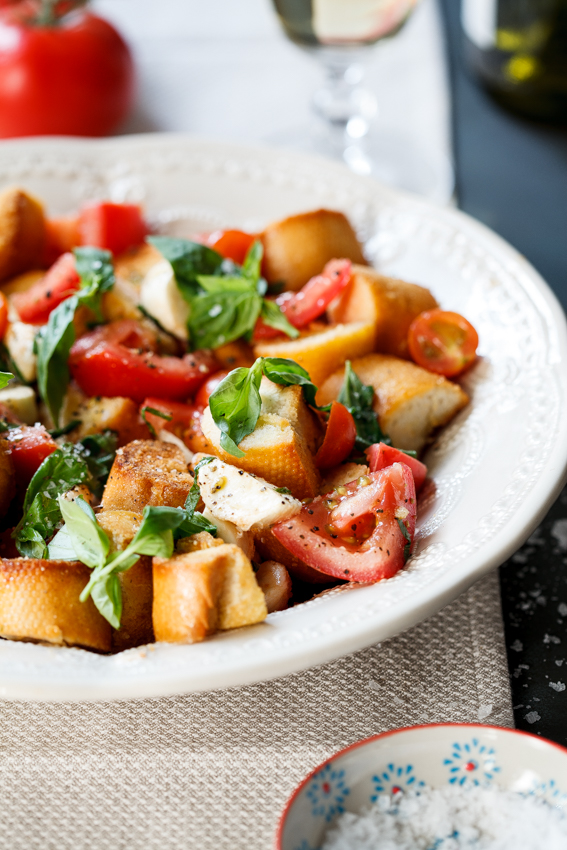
x=532 y=717
x=557 y=686
x=559 y=531
x=562 y=608
x=517 y=646
x=451 y=818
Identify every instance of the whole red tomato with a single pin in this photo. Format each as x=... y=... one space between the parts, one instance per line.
x=61 y=72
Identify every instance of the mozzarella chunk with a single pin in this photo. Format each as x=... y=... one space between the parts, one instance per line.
x=243 y=499
x=161 y=297
x=228 y=532
x=19 y=342
x=22 y=402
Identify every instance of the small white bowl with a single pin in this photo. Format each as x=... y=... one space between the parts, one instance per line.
x=449 y=753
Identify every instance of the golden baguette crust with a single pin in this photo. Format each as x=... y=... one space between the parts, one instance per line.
x=147 y=472
x=410 y=401
x=290 y=404
x=273 y=451
x=199 y=592
x=197 y=542
x=298 y=247
x=323 y=349
x=39 y=601
x=137 y=583
x=7 y=477
x=22 y=232
x=389 y=304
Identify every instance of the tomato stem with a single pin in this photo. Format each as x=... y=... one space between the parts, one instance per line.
x=51 y=11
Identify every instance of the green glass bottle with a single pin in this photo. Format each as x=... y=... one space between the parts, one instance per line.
x=518 y=50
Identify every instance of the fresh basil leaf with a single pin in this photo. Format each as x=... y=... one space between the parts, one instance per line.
x=214 y=284
x=5 y=378
x=155 y=534
x=357 y=398
x=405 y=532
x=288 y=372
x=54 y=341
x=194 y=494
x=253 y=261
x=217 y=318
x=272 y=315
x=195 y=522
x=188 y=260
x=106 y=594
x=61 y=547
x=90 y=542
x=235 y=406
x=60 y=472
x=284 y=490
x=66 y=429
x=100 y=451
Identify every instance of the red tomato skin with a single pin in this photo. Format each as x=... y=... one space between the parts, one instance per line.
x=208 y=388
x=74 y=79
x=3 y=315
x=115 y=227
x=339 y=437
x=59 y=282
x=182 y=415
x=29 y=445
x=231 y=244
x=452 y=358
x=103 y=366
x=380 y=456
x=379 y=557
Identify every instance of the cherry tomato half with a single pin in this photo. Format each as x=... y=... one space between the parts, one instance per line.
x=232 y=244
x=442 y=342
x=339 y=437
x=29 y=445
x=110 y=361
x=60 y=281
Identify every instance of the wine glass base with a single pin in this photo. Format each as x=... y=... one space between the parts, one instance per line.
x=388 y=156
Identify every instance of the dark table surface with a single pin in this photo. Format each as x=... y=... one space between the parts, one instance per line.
x=512 y=175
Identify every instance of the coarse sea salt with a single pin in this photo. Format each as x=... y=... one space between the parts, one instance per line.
x=451 y=818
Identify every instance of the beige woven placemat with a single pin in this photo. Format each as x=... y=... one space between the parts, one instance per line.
x=213 y=771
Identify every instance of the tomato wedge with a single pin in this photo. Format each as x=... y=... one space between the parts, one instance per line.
x=443 y=342
x=339 y=437
x=208 y=388
x=355 y=532
x=303 y=307
x=115 y=227
x=380 y=456
x=232 y=244
x=110 y=361
x=185 y=421
x=59 y=282
x=29 y=445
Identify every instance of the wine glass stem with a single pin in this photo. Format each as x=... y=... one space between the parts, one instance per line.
x=342 y=101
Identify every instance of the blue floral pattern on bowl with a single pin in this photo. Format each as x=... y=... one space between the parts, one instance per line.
x=472 y=763
x=395 y=780
x=327 y=792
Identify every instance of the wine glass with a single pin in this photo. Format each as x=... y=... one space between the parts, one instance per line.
x=339 y=33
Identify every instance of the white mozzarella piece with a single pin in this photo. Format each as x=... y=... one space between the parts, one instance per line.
x=239 y=497
x=160 y=296
x=229 y=533
x=22 y=402
x=19 y=342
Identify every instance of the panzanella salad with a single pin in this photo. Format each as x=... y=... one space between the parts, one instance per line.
x=197 y=432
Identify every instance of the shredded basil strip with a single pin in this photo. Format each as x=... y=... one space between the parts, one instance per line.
x=405 y=532
x=357 y=398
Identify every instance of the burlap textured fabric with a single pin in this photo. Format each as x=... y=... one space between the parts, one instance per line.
x=213 y=771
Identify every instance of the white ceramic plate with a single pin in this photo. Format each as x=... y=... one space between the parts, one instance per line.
x=497 y=468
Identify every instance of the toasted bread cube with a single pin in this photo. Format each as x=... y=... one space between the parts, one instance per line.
x=341 y=475
x=197 y=542
x=101 y=414
x=39 y=601
x=298 y=247
x=147 y=472
x=137 y=582
x=241 y=602
x=22 y=232
x=289 y=402
x=7 y=477
x=323 y=350
x=273 y=451
x=410 y=402
x=391 y=305
x=236 y=496
x=133 y=265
